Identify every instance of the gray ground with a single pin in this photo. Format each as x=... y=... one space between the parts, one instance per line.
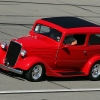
x=17 y=18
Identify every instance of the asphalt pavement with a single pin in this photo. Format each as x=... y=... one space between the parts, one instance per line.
x=16 y=19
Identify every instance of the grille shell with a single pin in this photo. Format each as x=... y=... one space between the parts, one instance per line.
x=12 y=53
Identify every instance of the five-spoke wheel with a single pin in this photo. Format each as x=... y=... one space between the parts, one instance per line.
x=95 y=72
x=36 y=73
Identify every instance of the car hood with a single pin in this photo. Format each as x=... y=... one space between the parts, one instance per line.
x=36 y=41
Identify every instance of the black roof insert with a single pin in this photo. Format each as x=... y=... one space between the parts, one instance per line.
x=70 y=22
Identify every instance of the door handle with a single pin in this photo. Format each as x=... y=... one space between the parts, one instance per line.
x=85 y=52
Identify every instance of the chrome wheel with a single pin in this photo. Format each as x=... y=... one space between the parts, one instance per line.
x=94 y=74
x=37 y=72
x=96 y=70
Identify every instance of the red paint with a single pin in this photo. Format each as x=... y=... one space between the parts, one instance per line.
x=59 y=60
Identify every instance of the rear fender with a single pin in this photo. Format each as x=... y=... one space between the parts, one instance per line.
x=90 y=62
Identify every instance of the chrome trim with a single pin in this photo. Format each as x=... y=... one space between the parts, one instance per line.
x=23 y=51
x=17 y=43
x=11 y=69
x=3 y=44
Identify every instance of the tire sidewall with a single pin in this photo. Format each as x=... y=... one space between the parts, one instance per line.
x=29 y=74
x=90 y=74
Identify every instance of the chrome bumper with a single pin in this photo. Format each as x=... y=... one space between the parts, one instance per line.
x=11 y=69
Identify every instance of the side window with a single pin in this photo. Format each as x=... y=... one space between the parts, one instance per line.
x=94 y=39
x=44 y=29
x=75 y=39
x=41 y=29
x=48 y=31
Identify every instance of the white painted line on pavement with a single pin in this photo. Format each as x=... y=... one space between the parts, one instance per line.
x=48 y=91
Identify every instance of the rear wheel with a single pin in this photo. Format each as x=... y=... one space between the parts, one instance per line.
x=36 y=73
x=94 y=74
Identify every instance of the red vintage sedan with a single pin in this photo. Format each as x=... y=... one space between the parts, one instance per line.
x=58 y=47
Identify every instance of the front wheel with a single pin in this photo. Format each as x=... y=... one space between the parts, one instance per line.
x=94 y=74
x=36 y=73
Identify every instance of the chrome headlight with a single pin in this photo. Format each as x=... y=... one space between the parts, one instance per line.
x=3 y=45
x=23 y=53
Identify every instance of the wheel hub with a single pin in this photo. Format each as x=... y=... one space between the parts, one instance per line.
x=96 y=70
x=37 y=72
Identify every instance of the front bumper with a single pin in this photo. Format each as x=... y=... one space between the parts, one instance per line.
x=11 y=69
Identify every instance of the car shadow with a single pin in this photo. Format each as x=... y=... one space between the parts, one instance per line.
x=46 y=78
x=13 y=75
x=83 y=78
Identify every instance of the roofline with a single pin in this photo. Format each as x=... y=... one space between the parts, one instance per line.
x=83 y=30
x=70 y=22
x=70 y=30
x=50 y=24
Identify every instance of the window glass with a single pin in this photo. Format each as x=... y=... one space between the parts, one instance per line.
x=44 y=29
x=49 y=32
x=37 y=28
x=94 y=39
x=75 y=39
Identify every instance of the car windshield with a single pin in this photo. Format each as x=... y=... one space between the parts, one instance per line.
x=49 y=32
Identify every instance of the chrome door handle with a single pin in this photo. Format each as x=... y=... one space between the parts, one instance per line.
x=84 y=52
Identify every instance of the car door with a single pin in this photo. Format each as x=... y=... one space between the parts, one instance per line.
x=72 y=57
x=93 y=45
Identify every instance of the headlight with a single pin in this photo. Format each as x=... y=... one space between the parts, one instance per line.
x=3 y=45
x=23 y=53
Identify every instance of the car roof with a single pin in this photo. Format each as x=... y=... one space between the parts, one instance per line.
x=70 y=22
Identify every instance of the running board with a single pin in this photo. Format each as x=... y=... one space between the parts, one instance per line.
x=71 y=73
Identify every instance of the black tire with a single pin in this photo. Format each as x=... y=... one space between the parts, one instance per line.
x=94 y=74
x=36 y=73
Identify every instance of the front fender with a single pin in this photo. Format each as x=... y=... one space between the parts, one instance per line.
x=90 y=62
x=28 y=62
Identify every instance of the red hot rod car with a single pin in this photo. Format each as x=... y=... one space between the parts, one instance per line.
x=58 y=47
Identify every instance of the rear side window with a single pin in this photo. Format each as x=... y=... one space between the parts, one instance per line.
x=94 y=39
